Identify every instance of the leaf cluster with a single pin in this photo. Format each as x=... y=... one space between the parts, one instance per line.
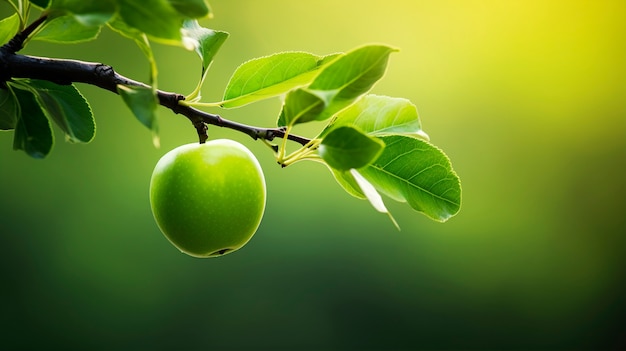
x=371 y=144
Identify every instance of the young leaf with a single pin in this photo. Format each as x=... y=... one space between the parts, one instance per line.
x=350 y=76
x=417 y=172
x=300 y=106
x=9 y=109
x=355 y=72
x=341 y=82
x=270 y=76
x=9 y=27
x=191 y=8
x=381 y=115
x=143 y=103
x=67 y=108
x=32 y=132
x=206 y=42
x=67 y=29
x=346 y=147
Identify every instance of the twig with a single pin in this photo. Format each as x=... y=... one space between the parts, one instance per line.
x=64 y=72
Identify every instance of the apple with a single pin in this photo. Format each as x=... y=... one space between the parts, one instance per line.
x=208 y=199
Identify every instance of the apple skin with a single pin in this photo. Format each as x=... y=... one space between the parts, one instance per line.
x=208 y=199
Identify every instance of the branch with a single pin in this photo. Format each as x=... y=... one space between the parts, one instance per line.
x=64 y=72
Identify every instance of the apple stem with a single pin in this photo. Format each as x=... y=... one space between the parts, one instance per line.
x=202 y=129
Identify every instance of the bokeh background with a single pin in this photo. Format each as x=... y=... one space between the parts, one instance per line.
x=528 y=98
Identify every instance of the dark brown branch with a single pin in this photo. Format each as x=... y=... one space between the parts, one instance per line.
x=62 y=71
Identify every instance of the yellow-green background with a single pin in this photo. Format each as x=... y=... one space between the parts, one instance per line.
x=528 y=98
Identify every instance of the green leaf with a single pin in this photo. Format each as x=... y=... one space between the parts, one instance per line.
x=355 y=72
x=9 y=109
x=300 y=106
x=341 y=82
x=346 y=147
x=206 y=42
x=356 y=185
x=348 y=183
x=9 y=27
x=143 y=102
x=32 y=132
x=67 y=108
x=87 y=13
x=156 y=18
x=270 y=76
x=350 y=76
x=414 y=171
x=83 y=7
x=371 y=194
x=381 y=115
x=191 y=8
x=40 y=3
x=67 y=29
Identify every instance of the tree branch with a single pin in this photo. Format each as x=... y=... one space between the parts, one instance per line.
x=64 y=72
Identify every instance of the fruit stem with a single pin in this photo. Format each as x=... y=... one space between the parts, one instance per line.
x=202 y=129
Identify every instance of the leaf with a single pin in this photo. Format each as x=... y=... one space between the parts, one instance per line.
x=9 y=27
x=348 y=183
x=191 y=8
x=87 y=13
x=356 y=185
x=355 y=72
x=83 y=7
x=350 y=76
x=341 y=82
x=381 y=115
x=156 y=18
x=414 y=171
x=300 y=105
x=67 y=108
x=206 y=42
x=67 y=29
x=143 y=103
x=346 y=147
x=40 y=3
x=270 y=76
x=32 y=132
x=9 y=109
x=372 y=195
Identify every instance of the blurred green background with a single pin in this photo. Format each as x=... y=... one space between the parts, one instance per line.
x=528 y=98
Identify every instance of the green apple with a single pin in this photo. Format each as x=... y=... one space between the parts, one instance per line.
x=208 y=199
